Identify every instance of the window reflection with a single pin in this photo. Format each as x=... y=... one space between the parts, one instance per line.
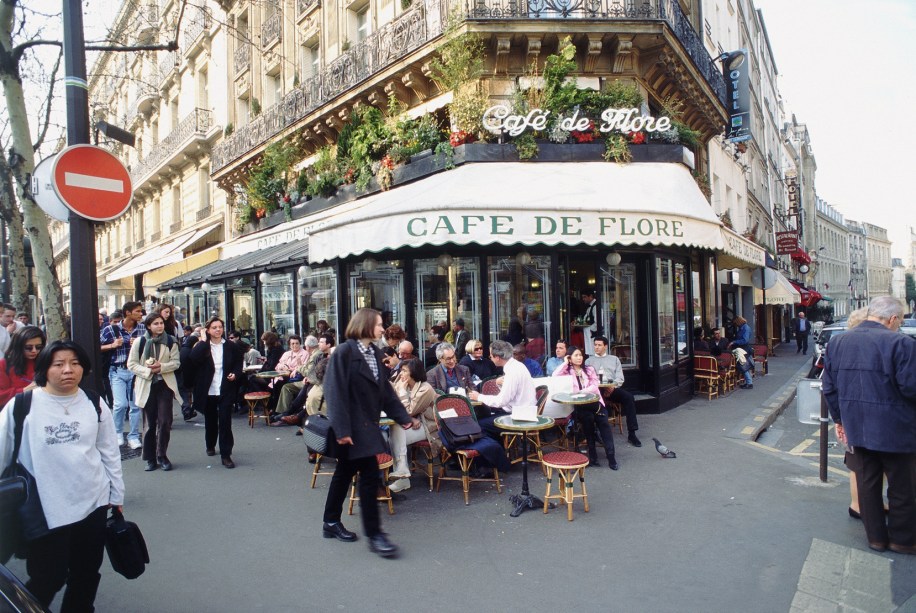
x=617 y=300
x=446 y=293
x=277 y=305
x=520 y=301
x=319 y=298
x=379 y=286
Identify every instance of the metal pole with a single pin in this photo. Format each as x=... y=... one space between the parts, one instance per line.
x=84 y=297
x=825 y=422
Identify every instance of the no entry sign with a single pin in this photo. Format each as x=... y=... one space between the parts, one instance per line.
x=92 y=182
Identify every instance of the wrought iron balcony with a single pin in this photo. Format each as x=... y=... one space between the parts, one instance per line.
x=167 y=66
x=196 y=27
x=272 y=30
x=242 y=58
x=424 y=22
x=145 y=94
x=193 y=127
x=303 y=6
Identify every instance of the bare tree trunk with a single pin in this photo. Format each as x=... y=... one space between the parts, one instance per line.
x=22 y=156
x=18 y=273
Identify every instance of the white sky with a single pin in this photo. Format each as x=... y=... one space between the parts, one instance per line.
x=846 y=70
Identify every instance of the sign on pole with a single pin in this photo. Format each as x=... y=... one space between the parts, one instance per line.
x=92 y=182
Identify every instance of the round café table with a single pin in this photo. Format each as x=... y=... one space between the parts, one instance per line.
x=524 y=500
x=574 y=399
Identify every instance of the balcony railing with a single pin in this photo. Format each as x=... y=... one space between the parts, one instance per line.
x=167 y=65
x=303 y=6
x=196 y=124
x=271 y=30
x=196 y=27
x=242 y=58
x=423 y=22
x=204 y=213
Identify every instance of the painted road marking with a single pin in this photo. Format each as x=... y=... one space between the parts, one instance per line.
x=801 y=446
x=73 y=179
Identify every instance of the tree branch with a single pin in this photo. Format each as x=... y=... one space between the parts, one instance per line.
x=44 y=130
x=21 y=48
x=170 y=46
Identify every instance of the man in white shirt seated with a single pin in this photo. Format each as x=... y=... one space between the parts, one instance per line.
x=517 y=388
x=610 y=366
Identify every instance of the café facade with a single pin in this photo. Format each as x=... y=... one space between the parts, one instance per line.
x=508 y=247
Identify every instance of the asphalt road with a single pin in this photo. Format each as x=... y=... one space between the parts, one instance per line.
x=730 y=525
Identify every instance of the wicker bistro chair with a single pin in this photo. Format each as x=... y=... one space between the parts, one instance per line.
x=706 y=375
x=385 y=462
x=728 y=375
x=465 y=457
x=760 y=357
x=568 y=465
x=256 y=400
x=511 y=440
x=489 y=386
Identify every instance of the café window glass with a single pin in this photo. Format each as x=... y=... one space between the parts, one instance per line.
x=682 y=316
x=519 y=290
x=618 y=303
x=664 y=279
x=378 y=285
x=277 y=308
x=319 y=298
x=243 y=310
x=447 y=288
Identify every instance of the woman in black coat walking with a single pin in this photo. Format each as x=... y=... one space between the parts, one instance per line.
x=357 y=390
x=217 y=371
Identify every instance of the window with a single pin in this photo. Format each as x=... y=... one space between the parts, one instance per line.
x=176 y=205
x=277 y=305
x=363 y=24
x=380 y=287
x=156 y=221
x=618 y=302
x=319 y=298
x=173 y=109
x=203 y=93
x=203 y=177
x=520 y=301
x=447 y=293
x=273 y=90
x=309 y=60
x=665 y=282
x=243 y=111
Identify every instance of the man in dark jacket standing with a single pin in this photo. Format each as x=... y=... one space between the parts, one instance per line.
x=869 y=384
x=802 y=328
x=357 y=390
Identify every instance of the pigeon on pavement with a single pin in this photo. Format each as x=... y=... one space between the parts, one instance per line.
x=662 y=450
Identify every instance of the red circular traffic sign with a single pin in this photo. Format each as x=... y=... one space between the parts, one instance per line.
x=92 y=182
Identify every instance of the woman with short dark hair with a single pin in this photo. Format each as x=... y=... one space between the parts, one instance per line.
x=78 y=477
x=418 y=397
x=18 y=368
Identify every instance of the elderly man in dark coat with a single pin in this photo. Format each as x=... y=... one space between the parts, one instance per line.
x=869 y=384
x=357 y=390
x=448 y=373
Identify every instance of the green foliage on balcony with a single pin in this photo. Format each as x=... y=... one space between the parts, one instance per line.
x=270 y=179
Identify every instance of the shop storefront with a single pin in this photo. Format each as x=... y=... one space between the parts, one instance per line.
x=509 y=247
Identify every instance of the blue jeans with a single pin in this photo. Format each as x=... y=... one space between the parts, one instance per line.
x=122 y=390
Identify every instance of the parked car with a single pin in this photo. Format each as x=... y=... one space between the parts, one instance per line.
x=820 y=346
x=909 y=327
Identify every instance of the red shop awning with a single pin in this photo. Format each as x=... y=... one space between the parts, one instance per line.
x=801 y=256
x=809 y=297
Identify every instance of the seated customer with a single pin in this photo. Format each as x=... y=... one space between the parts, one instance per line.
x=418 y=397
x=559 y=359
x=480 y=366
x=449 y=374
x=610 y=366
x=517 y=388
x=520 y=354
x=699 y=344
x=717 y=345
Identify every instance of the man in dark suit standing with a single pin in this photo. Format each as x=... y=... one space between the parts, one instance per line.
x=448 y=373
x=462 y=337
x=802 y=329
x=869 y=385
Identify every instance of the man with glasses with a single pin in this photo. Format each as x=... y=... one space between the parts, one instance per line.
x=869 y=385
x=395 y=362
x=448 y=373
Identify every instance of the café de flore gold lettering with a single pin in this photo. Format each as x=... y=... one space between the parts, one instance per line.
x=542 y=225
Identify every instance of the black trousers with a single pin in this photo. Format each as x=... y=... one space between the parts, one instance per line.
x=489 y=427
x=369 y=483
x=586 y=415
x=158 y=415
x=627 y=405
x=899 y=526
x=801 y=341
x=218 y=425
x=70 y=555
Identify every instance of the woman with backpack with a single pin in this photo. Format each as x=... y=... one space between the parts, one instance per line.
x=78 y=477
x=154 y=360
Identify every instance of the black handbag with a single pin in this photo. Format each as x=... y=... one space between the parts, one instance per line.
x=125 y=546
x=23 y=522
x=319 y=436
x=459 y=430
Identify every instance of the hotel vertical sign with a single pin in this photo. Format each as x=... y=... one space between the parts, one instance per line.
x=736 y=70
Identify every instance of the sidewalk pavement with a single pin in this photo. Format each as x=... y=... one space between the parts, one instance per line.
x=729 y=525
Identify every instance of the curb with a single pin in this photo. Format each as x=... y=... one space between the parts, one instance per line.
x=763 y=417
